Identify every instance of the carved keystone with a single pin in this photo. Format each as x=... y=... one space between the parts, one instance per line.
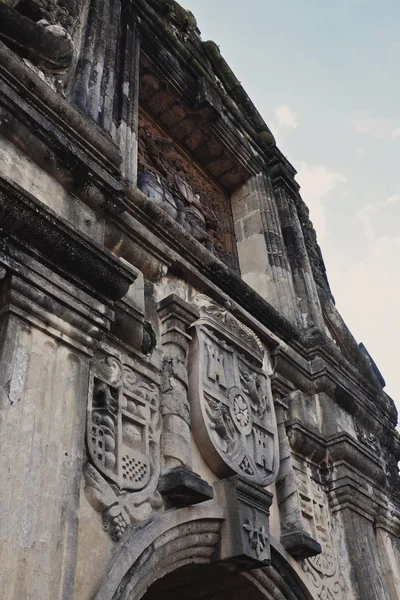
x=245 y=533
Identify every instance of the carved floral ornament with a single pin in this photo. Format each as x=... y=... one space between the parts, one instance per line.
x=233 y=418
x=123 y=437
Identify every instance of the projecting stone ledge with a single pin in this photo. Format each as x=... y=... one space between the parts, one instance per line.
x=183 y=487
x=300 y=544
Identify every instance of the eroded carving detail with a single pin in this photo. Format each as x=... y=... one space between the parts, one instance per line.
x=123 y=437
x=171 y=180
x=215 y=314
x=233 y=415
x=322 y=570
x=257 y=534
x=41 y=30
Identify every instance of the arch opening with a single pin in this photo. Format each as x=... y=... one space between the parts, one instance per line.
x=204 y=582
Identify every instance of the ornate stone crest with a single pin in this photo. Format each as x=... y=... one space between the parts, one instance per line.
x=233 y=418
x=123 y=435
x=322 y=570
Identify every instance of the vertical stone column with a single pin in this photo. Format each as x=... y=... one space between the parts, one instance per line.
x=176 y=317
x=387 y=530
x=294 y=536
x=304 y=284
x=262 y=254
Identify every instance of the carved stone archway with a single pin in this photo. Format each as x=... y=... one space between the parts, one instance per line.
x=184 y=537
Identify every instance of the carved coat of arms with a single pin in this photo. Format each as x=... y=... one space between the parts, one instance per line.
x=123 y=436
x=233 y=418
x=118 y=435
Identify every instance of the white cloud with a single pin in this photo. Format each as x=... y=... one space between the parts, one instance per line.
x=393 y=199
x=316 y=183
x=395 y=133
x=285 y=117
x=359 y=152
x=367 y=293
x=367 y=289
x=379 y=128
x=365 y=215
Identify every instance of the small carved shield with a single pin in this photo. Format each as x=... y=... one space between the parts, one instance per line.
x=233 y=418
x=118 y=434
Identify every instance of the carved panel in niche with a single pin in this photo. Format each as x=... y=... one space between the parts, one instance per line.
x=169 y=177
x=123 y=440
x=323 y=570
x=233 y=418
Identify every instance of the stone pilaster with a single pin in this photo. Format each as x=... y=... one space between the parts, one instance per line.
x=111 y=45
x=305 y=288
x=47 y=333
x=294 y=536
x=176 y=317
x=57 y=296
x=262 y=254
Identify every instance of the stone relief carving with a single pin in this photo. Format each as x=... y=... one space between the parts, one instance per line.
x=233 y=418
x=169 y=178
x=41 y=30
x=258 y=535
x=368 y=439
x=123 y=438
x=245 y=537
x=322 y=571
x=221 y=316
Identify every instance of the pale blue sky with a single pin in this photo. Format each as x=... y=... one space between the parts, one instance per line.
x=326 y=78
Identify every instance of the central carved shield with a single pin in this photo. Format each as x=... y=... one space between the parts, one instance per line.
x=233 y=418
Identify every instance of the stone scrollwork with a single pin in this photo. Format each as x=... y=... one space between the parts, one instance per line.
x=323 y=571
x=233 y=418
x=123 y=438
x=221 y=316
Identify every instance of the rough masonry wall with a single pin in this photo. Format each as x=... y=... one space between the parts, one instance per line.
x=158 y=410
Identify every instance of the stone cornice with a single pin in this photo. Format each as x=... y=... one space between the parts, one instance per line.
x=179 y=240
x=39 y=296
x=340 y=449
x=185 y=60
x=66 y=144
x=25 y=219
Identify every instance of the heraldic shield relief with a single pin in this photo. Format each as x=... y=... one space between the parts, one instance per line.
x=233 y=418
x=118 y=434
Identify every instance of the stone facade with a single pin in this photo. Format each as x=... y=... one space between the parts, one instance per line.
x=183 y=411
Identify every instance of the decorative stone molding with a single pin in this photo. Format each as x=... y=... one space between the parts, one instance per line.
x=245 y=533
x=123 y=439
x=221 y=318
x=178 y=485
x=175 y=539
x=233 y=417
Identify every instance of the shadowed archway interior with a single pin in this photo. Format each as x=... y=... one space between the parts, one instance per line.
x=205 y=582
